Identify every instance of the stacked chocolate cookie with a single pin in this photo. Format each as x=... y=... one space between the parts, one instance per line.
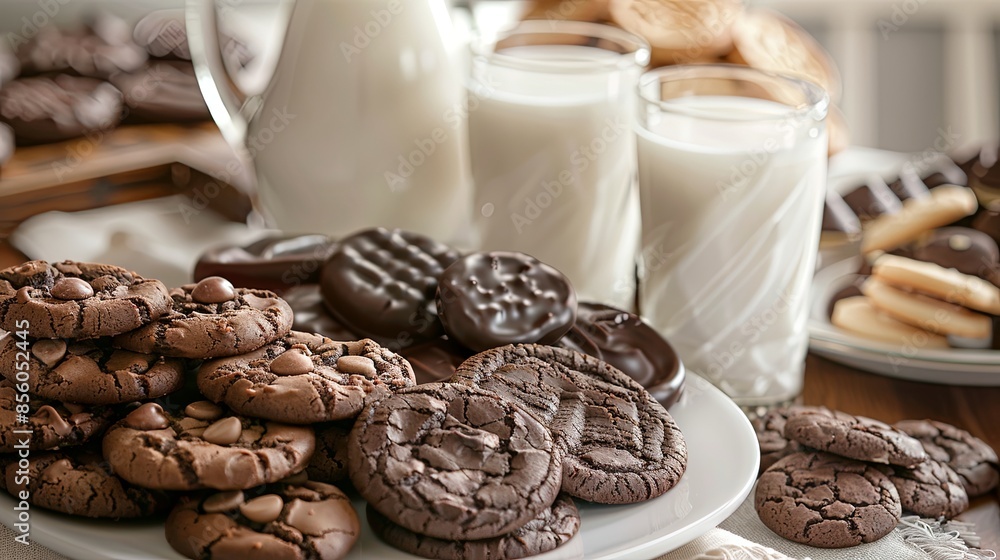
x=832 y=480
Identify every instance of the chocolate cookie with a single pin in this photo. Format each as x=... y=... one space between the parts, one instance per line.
x=311 y=315
x=621 y=445
x=931 y=489
x=46 y=109
x=381 y=284
x=770 y=429
x=275 y=263
x=487 y=300
x=311 y=521
x=78 y=481
x=872 y=200
x=856 y=437
x=203 y=447
x=99 y=50
x=453 y=462
x=77 y=300
x=972 y=458
x=50 y=423
x=967 y=250
x=329 y=462
x=552 y=528
x=304 y=378
x=823 y=500
x=90 y=371
x=623 y=340
x=211 y=319
x=435 y=360
x=162 y=91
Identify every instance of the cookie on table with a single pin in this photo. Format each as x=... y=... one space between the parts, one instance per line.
x=856 y=437
x=453 y=462
x=51 y=423
x=972 y=458
x=78 y=481
x=212 y=319
x=304 y=378
x=552 y=528
x=78 y=300
x=204 y=447
x=310 y=520
x=621 y=445
x=381 y=283
x=931 y=489
x=824 y=500
x=90 y=371
x=770 y=429
x=946 y=204
x=329 y=462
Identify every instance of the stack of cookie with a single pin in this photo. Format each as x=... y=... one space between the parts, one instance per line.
x=832 y=480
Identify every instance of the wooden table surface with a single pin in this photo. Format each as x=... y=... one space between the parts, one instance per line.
x=976 y=409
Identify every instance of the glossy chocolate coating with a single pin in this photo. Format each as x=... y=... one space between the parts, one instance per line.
x=162 y=91
x=435 y=360
x=967 y=250
x=872 y=200
x=623 y=340
x=311 y=315
x=492 y=299
x=275 y=263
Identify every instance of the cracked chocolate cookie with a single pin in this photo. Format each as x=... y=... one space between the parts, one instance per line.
x=621 y=445
x=453 y=462
x=90 y=371
x=308 y=521
x=931 y=489
x=856 y=437
x=329 y=462
x=50 y=423
x=771 y=439
x=77 y=300
x=827 y=501
x=552 y=528
x=204 y=447
x=212 y=319
x=381 y=284
x=79 y=481
x=304 y=378
x=972 y=458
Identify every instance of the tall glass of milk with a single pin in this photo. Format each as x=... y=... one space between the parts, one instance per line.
x=550 y=112
x=732 y=175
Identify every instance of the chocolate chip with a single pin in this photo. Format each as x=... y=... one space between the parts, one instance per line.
x=149 y=416
x=24 y=294
x=292 y=362
x=223 y=432
x=213 y=289
x=223 y=501
x=357 y=364
x=72 y=289
x=204 y=410
x=263 y=509
x=59 y=424
x=49 y=351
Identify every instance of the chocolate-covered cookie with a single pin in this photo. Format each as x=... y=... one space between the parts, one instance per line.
x=204 y=446
x=623 y=340
x=78 y=481
x=311 y=315
x=552 y=528
x=101 y=49
x=90 y=371
x=965 y=249
x=856 y=437
x=621 y=445
x=212 y=319
x=436 y=359
x=972 y=458
x=329 y=462
x=931 y=489
x=909 y=185
x=453 y=462
x=308 y=521
x=381 y=284
x=487 y=300
x=872 y=200
x=988 y=221
x=162 y=91
x=827 y=501
x=304 y=378
x=163 y=34
x=51 y=424
x=77 y=300
x=275 y=263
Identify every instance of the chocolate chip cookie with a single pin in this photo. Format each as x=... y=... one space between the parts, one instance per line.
x=931 y=489
x=77 y=300
x=308 y=521
x=552 y=528
x=856 y=437
x=972 y=458
x=453 y=462
x=487 y=300
x=381 y=284
x=329 y=462
x=304 y=378
x=78 y=481
x=204 y=447
x=827 y=501
x=51 y=423
x=621 y=445
x=90 y=371
x=212 y=319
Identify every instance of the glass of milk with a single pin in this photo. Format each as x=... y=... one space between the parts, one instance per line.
x=732 y=175
x=550 y=112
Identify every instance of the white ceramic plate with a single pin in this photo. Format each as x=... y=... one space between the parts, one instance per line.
x=951 y=366
x=722 y=466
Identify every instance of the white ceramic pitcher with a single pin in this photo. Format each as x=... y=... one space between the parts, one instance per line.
x=362 y=123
